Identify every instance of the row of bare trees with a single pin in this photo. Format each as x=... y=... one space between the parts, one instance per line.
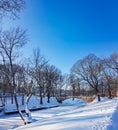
x=101 y=74
x=36 y=76
x=32 y=76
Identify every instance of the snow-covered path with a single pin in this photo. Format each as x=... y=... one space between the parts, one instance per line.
x=13 y=120
x=94 y=116
x=10 y=121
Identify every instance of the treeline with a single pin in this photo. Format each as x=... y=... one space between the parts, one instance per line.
x=32 y=76
x=97 y=75
x=35 y=76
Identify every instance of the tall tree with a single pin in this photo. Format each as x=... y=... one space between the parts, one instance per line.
x=111 y=72
x=89 y=70
x=10 y=43
x=109 y=82
x=52 y=78
x=73 y=84
x=60 y=86
x=26 y=87
x=37 y=72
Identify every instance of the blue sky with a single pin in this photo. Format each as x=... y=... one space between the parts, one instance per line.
x=68 y=30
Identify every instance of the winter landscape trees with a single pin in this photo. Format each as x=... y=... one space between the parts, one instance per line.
x=98 y=73
x=10 y=42
x=91 y=75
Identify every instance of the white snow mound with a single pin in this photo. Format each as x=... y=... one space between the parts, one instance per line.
x=75 y=102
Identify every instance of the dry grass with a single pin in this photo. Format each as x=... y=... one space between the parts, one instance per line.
x=88 y=99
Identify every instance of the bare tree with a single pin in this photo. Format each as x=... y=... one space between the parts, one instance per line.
x=25 y=86
x=4 y=82
x=60 y=86
x=29 y=91
x=58 y=83
x=52 y=77
x=67 y=83
x=74 y=83
x=10 y=42
x=110 y=72
x=89 y=70
x=37 y=72
x=108 y=81
x=11 y=7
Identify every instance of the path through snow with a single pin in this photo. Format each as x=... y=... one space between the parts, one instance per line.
x=94 y=116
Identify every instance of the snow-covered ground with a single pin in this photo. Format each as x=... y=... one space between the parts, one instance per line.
x=34 y=103
x=70 y=116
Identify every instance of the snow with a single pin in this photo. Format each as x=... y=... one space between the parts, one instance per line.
x=76 y=102
x=71 y=115
x=114 y=121
x=34 y=103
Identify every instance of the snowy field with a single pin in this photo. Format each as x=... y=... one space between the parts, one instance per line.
x=70 y=116
x=34 y=103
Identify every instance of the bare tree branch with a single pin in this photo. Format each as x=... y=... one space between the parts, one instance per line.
x=11 y=7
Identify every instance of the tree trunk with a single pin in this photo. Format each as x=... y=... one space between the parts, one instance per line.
x=27 y=111
x=41 y=95
x=18 y=108
x=73 y=92
x=49 y=89
x=109 y=91
x=41 y=99
x=12 y=99
x=48 y=97
x=99 y=97
x=98 y=94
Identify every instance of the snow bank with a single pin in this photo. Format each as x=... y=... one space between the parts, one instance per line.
x=114 y=121
x=34 y=103
x=94 y=116
x=102 y=99
x=75 y=102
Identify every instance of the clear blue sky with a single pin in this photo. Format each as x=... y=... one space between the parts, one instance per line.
x=68 y=30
